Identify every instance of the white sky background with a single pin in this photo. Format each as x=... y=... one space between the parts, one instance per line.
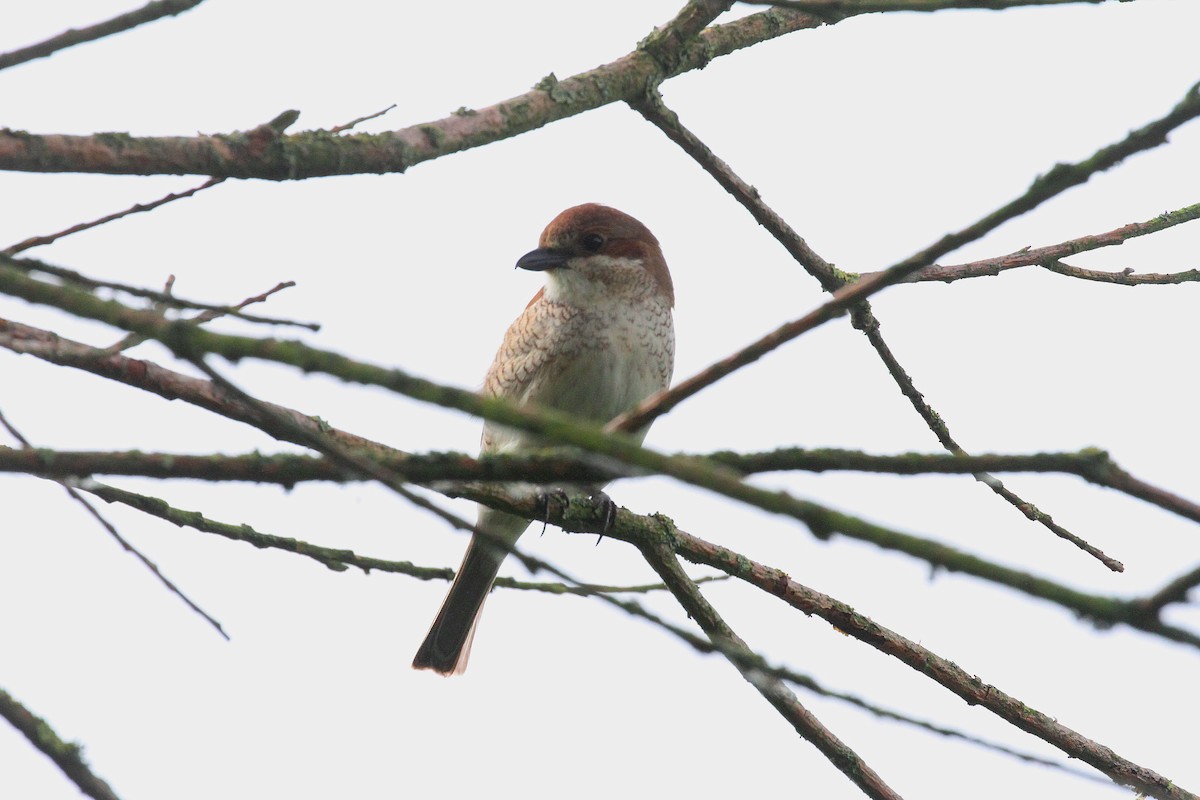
x=873 y=138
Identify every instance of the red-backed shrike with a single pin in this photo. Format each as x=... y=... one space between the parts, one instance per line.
x=595 y=341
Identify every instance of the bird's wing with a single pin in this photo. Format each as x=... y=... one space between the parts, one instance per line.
x=526 y=361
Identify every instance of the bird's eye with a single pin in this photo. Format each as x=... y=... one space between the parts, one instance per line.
x=592 y=242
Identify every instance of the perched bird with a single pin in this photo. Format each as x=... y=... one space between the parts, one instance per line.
x=595 y=341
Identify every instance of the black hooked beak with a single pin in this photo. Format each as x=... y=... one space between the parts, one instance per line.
x=543 y=259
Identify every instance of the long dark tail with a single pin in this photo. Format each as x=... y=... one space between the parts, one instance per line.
x=448 y=643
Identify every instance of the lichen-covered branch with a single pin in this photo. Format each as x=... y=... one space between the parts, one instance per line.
x=67 y=756
x=265 y=153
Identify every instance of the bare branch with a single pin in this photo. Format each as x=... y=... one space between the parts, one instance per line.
x=337 y=559
x=348 y=125
x=947 y=673
x=156 y=9
x=164 y=299
x=172 y=385
x=840 y=9
x=663 y=560
x=287 y=469
x=1126 y=277
x=38 y=241
x=191 y=342
x=659 y=531
x=168 y=384
x=581 y=516
x=1049 y=256
x=263 y=153
x=67 y=756
x=1057 y=180
x=116 y=535
x=833 y=281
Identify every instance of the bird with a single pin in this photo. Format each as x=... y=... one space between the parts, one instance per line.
x=596 y=340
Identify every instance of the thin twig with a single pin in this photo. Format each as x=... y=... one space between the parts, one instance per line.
x=337 y=559
x=941 y=730
x=132 y=339
x=348 y=125
x=1126 y=277
x=332 y=449
x=121 y=540
x=137 y=208
x=1049 y=256
x=839 y=9
x=147 y=13
x=163 y=298
x=67 y=756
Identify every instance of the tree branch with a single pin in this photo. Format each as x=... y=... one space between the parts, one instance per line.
x=1049 y=256
x=67 y=756
x=659 y=531
x=840 y=9
x=336 y=559
x=156 y=9
x=287 y=469
x=138 y=208
x=172 y=385
x=663 y=560
x=263 y=153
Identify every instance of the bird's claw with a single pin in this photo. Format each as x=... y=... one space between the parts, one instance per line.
x=608 y=512
x=544 y=499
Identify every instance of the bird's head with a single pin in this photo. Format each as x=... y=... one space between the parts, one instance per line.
x=593 y=254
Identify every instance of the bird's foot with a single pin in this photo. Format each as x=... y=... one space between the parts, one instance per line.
x=545 y=501
x=608 y=512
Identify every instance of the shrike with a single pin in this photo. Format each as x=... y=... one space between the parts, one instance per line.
x=595 y=341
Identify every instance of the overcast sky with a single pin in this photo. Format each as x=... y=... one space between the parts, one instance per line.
x=873 y=138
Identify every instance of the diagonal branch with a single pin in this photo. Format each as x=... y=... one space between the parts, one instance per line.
x=662 y=559
x=163 y=299
x=67 y=756
x=1057 y=180
x=137 y=208
x=112 y=531
x=658 y=531
x=156 y=9
x=835 y=281
x=970 y=688
x=1060 y=178
x=1049 y=256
